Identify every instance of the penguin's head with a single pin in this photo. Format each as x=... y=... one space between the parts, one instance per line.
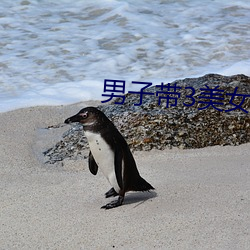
x=88 y=117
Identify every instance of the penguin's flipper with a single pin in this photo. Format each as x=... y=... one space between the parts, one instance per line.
x=115 y=203
x=93 y=167
x=118 y=166
x=111 y=193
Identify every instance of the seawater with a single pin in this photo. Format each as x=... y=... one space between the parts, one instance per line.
x=60 y=52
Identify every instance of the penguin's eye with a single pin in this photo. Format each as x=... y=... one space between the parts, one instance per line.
x=84 y=115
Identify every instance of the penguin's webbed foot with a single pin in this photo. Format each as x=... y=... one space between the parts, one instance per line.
x=113 y=204
x=111 y=193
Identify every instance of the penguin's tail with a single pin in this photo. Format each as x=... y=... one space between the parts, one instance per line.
x=141 y=185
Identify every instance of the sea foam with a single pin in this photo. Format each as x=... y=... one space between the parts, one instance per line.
x=60 y=52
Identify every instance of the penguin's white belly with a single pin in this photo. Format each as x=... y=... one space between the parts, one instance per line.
x=104 y=157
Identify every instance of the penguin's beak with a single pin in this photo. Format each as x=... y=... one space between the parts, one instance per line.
x=74 y=118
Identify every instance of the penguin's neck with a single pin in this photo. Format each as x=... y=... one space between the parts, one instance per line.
x=93 y=127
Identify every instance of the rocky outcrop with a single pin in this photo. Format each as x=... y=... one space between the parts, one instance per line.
x=151 y=125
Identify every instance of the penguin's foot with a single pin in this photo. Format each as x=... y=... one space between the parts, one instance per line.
x=111 y=193
x=113 y=204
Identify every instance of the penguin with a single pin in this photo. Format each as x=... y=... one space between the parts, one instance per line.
x=110 y=152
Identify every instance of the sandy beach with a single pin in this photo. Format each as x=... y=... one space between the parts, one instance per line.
x=201 y=198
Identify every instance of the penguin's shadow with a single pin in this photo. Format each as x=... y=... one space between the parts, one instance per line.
x=137 y=198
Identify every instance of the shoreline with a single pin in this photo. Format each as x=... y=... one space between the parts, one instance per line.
x=201 y=198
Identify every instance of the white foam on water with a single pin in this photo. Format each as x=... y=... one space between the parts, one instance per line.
x=60 y=52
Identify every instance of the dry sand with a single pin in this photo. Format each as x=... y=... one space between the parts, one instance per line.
x=201 y=201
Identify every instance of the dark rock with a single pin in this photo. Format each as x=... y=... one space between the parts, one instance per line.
x=152 y=126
